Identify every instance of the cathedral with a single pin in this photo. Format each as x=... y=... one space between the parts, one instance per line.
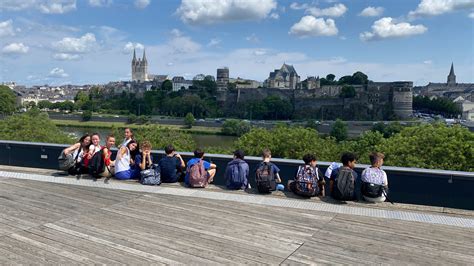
x=283 y=78
x=139 y=68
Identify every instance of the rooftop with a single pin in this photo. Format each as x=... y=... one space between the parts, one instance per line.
x=48 y=218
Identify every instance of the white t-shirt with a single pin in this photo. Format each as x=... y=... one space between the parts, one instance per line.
x=374 y=175
x=122 y=163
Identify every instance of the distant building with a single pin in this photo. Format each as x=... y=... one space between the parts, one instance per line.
x=283 y=78
x=180 y=83
x=139 y=68
x=310 y=83
x=241 y=83
x=466 y=107
x=222 y=78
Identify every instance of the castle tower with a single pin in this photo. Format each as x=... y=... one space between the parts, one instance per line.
x=451 y=76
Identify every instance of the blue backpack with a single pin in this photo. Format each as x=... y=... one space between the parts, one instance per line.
x=235 y=175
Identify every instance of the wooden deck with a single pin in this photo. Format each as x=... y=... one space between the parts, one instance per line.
x=49 y=223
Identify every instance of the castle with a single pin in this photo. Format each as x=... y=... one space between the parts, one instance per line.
x=139 y=68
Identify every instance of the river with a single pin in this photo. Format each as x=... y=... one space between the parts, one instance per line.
x=202 y=140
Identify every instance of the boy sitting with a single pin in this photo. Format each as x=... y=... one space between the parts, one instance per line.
x=171 y=165
x=309 y=180
x=237 y=172
x=267 y=175
x=374 y=180
x=199 y=172
x=342 y=180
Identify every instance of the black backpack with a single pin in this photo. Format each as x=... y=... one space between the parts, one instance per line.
x=306 y=181
x=265 y=178
x=372 y=190
x=97 y=164
x=344 y=185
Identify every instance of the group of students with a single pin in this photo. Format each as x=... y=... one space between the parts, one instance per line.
x=309 y=181
x=135 y=162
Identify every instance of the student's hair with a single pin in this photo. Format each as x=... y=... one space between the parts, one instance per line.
x=169 y=149
x=374 y=157
x=131 y=132
x=198 y=153
x=266 y=153
x=146 y=144
x=348 y=157
x=308 y=158
x=81 y=140
x=134 y=152
x=110 y=136
x=239 y=154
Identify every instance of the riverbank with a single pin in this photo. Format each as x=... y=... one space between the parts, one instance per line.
x=107 y=125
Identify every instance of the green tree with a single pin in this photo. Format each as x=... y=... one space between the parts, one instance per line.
x=189 y=120
x=235 y=127
x=32 y=126
x=359 y=78
x=347 y=91
x=86 y=115
x=7 y=100
x=339 y=130
x=44 y=104
x=330 y=77
x=167 y=85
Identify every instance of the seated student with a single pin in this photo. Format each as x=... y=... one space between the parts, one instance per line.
x=309 y=181
x=237 y=172
x=71 y=157
x=128 y=137
x=267 y=174
x=171 y=165
x=93 y=148
x=123 y=162
x=342 y=180
x=107 y=153
x=199 y=172
x=144 y=160
x=374 y=180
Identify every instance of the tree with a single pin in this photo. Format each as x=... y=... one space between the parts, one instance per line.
x=339 y=130
x=189 y=120
x=7 y=100
x=359 y=78
x=330 y=77
x=235 y=127
x=347 y=91
x=44 y=104
x=167 y=85
x=87 y=115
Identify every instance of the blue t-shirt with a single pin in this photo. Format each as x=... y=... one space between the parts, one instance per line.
x=138 y=161
x=169 y=167
x=193 y=161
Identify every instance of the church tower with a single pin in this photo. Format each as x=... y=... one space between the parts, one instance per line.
x=451 y=76
x=139 y=68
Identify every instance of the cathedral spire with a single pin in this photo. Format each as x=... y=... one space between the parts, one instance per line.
x=144 y=57
x=134 y=57
x=452 y=76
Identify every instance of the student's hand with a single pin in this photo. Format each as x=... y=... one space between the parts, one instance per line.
x=278 y=180
x=177 y=155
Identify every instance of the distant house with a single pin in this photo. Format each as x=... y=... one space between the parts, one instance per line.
x=180 y=83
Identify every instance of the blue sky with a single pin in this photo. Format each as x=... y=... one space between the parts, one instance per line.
x=91 y=41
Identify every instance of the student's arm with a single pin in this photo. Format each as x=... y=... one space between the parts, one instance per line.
x=278 y=179
x=72 y=148
x=106 y=156
x=142 y=164
x=212 y=166
x=385 y=179
x=183 y=165
x=321 y=184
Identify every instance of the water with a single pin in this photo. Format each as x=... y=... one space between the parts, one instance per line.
x=202 y=140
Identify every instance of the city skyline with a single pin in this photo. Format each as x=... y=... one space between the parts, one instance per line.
x=85 y=42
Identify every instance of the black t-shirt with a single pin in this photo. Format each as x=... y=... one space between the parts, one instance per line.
x=169 y=167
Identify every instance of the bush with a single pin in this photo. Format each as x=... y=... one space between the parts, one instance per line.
x=87 y=115
x=339 y=130
x=235 y=127
x=189 y=120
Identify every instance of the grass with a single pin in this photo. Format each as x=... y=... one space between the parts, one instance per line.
x=107 y=125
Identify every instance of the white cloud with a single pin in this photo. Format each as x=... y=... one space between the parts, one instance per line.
x=58 y=73
x=15 y=48
x=209 y=12
x=181 y=44
x=66 y=57
x=100 y=3
x=296 y=6
x=311 y=26
x=471 y=15
x=438 y=7
x=84 y=44
x=214 y=42
x=372 y=12
x=428 y=62
x=141 y=3
x=56 y=6
x=44 y=6
x=335 y=11
x=252 y=38
x=274 y=16
x=385 y=28
x=129 y=46
x=6 y=28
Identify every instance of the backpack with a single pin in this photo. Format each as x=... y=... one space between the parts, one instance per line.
x=265 y=178
x=197 y=175
x=371 y=190
x=307 y=181
x=151 y=177
x=97 y=164
x=65 y=162
x=235 y=175
x=344 y=185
